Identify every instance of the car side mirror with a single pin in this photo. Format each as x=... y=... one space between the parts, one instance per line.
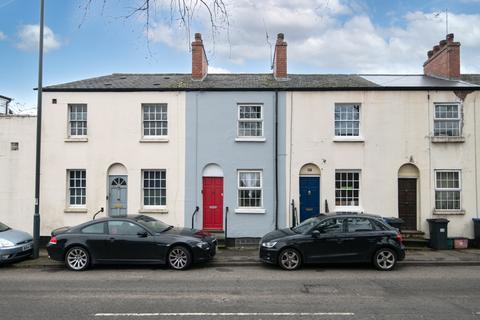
x=316 y=233
x=142 y=234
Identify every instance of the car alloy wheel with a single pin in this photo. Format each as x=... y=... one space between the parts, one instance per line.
x=385 y=259
x=77 y=259
x=290 y=259
x=179 y=258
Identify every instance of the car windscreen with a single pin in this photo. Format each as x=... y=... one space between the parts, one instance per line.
x=3 y=227
x=306 y=225
x=152 y=224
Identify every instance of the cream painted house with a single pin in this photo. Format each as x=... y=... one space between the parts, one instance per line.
x=396 y=163
x=121 y=151
x=17 y=170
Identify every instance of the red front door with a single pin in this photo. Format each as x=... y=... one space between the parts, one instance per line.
x=212 y=203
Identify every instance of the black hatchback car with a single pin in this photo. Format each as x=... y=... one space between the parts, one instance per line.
x=135 y=239
x=339 y=238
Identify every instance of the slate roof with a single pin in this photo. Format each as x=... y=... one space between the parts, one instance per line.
x=472 y=78
x=256 y=82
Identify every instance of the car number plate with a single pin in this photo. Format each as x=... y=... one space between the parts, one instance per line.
x=27 y=247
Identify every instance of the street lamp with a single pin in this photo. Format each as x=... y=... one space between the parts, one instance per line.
x=36 y=216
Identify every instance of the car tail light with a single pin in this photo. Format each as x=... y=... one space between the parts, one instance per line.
x=53 y=240
x=399 y=237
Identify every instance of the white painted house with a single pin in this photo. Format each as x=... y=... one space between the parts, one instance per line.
x=17 y=170
x=121 y=151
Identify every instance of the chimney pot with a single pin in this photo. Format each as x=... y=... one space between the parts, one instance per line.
x=444 y=60
x=280 y=58
x=199 y=59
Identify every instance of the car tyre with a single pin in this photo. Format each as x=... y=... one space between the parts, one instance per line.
x=290 y=259
x=385 y=259
x=179 y=258
x=77 y=259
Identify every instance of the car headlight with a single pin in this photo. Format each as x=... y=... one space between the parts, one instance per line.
x=203 y=245
x=4 y=243
x=269 y=244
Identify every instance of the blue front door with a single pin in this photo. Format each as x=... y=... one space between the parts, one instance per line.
x=117 y=196
x=309 y=197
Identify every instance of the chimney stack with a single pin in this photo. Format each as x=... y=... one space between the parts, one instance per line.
x=444 y=60
x=199 y=59
x=280 y=58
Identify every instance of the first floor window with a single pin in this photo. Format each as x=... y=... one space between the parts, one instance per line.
x=250 y=189
x=447 y=190
x=347 y=188
x=77 y=120
x=446 y=121
x=77 y=186
x=250 y=121
x=154 y=188
x=155 y=120
x=347 y=120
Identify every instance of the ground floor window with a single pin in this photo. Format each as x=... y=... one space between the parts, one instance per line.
x=154 y=188
x=447 y=189
x=347 y=188
x=77 y=187
x=250 y=189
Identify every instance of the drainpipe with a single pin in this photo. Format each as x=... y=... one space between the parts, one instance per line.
x=475 y=146
x=276 y=159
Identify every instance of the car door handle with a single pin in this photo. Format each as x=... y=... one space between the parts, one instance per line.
x=111 y=239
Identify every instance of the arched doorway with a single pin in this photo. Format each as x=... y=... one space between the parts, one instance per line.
x=212 y=194
x=408 y=176
x=117 y=190
x=309 y=187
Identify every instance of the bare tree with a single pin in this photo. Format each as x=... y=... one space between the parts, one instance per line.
x=182 y=11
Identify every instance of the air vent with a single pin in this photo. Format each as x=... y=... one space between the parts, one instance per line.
x=107 y=84
x=156 y=84
x=166 y=78
x=122 y=78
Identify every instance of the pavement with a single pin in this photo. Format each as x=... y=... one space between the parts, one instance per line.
x=249 y=257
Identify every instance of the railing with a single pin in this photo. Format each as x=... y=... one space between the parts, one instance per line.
x=226 y=226
x=294 y=214
x=193 y=216
x=96 y=213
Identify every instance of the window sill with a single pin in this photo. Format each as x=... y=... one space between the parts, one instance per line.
x=154 y=140
x=434 y=139
x=448 y=212
x=75 y=210
x=153 y=210
x=246 y=210
x=348 y=209
x=244 y=139
x=84 y=139
x=348 y=139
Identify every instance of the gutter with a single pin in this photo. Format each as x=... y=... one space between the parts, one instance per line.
x=276 y=160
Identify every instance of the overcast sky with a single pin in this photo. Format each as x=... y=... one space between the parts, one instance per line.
x=324 y=36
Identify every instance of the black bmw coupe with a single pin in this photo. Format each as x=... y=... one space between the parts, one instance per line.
x=137 y=239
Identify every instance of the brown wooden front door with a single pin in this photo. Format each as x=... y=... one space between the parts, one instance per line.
x=407 y=202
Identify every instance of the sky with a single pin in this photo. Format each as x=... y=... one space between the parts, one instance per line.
x=323 y=36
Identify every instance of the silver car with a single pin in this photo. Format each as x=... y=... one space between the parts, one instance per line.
x=14 y=244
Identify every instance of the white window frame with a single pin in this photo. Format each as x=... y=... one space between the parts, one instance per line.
x=359 y=120
x=148 y=206
x=458 y=118
x=70 y=121
x=155 y=136
x=249 y=188
x=459 y=189
x=74 y=205
x=261 y=120
x=349 y=207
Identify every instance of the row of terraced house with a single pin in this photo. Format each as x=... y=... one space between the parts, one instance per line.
x=244 y=154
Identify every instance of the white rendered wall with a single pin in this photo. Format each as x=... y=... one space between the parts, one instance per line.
x=17 y=171
x=114 y=136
